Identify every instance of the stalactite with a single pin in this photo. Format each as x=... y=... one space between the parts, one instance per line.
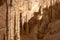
x=27 y=27
x=28 y=8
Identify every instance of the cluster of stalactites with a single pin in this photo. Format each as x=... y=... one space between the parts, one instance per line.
x=28 y=7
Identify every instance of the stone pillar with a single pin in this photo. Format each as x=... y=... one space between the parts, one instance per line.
x=13 y=20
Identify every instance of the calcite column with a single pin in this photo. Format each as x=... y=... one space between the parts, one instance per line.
x=13 y=20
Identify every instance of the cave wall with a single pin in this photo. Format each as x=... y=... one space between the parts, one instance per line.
x=51 y=14
x=2 y=19
x=47 y=27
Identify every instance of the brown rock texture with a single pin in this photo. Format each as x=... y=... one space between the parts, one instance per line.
x=53 y=31
x=2 y=20
x=48 y=27
x=39 y=20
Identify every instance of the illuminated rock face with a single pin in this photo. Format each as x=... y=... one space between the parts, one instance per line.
x=34 y=7
x=50 y=15
x=29 y=8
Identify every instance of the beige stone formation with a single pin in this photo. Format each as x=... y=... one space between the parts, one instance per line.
x=30 y=20
x=14 y=21
x=32 y=27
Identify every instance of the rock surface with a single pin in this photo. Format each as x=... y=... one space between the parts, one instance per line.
x=2 y=21
x=46 y=29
